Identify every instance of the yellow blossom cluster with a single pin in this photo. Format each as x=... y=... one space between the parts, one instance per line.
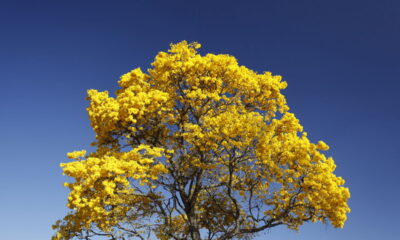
x=304 y=175
x=103 y=188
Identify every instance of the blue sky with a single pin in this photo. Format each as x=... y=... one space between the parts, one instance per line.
x=340 y=59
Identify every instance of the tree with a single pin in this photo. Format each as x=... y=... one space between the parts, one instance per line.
x=197 y=148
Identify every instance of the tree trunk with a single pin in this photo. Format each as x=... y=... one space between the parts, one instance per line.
x=196 y=234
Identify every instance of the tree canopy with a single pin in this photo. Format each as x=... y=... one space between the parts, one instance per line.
x=197 y=147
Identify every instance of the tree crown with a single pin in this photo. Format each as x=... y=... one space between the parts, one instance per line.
x=198 y=147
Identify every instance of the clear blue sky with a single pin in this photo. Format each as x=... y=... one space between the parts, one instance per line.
x=341 y=60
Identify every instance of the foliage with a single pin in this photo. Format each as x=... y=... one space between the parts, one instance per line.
x=197 y=148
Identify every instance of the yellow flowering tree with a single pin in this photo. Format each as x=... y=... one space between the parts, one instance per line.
x=198 y=147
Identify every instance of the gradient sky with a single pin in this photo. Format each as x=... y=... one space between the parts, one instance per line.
x=340 y=59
